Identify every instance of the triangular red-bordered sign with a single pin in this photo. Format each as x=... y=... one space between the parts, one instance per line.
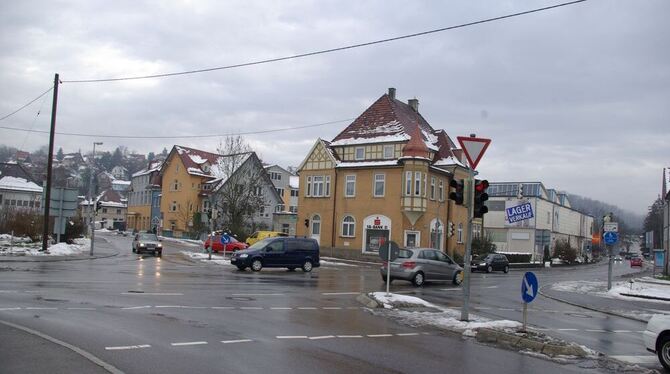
x=473 y=148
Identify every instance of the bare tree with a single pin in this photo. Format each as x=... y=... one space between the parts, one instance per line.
x=238 y=194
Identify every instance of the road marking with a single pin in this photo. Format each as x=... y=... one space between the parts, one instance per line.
x=128 y=347
x=339 y=293
x=8 y=291
x=153 y=293
x=81 y=309
x=332 y=308
x=251 y=308
x=354 y=307
x=10 y=308
x=40 y=308
x=187 y=343
x=482 y=308
x=137 y=307
x=236 y=341
x=596 y=330
x=642 y=359
x=168 y=306
x=321 y=337
x=567 y=330
x=491 y=287
x=450 y=289
x=618 y=331
x=507 y=309
x=259 y=294
x=223 y=307
x=307 y=308
x=349 y=336
x=281 y=308
x=408 y=334
x=379 y=335
x=292 y=337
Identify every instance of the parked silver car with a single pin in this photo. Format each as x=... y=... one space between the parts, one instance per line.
x=147 y=242
x=419 y=265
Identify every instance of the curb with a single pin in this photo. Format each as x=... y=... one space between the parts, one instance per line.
x=645 y=297
x=64 y=258
x=486 y=335
x=590 y=308
x=367 y=301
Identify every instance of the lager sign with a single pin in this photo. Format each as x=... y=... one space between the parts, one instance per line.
x=519 y=212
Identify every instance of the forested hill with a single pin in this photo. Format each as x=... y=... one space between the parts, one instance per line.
x=629 y=222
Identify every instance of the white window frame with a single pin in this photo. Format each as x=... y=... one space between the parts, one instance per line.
x=460 y=234
x=441 y=189
x=350 y=180
x=417 y=183
x=308 y=190
x=383 y=183
x=357 y=156
x=432 y=188
x=388 y=151
x=348 y=227
x=408 y=183
x=327 y=186
x=418 y=238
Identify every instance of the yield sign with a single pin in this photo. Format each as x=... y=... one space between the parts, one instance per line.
x=474 y=148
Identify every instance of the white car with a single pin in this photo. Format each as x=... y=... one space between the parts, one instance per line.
x=657 y=338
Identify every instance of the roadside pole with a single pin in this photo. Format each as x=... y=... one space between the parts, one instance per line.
x=47 y=186
x=469 y=198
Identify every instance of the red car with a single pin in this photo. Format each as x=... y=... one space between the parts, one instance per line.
x=636 y=261
x=233 y=246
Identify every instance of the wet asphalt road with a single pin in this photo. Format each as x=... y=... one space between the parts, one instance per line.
x=171 y=315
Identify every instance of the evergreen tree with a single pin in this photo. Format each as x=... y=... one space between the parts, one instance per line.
x=60 y=155
x=117 y=157
x=151 y=156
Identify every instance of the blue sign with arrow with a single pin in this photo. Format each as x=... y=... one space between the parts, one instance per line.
x=225 y=239
x=610 y=237
x=529 y=287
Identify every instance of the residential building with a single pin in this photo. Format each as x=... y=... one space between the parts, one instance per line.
x=553 y=219
x=112 y=212
x=120 y=172
x=18 y=189
x=286 y=185
x=385 y=177
x=144 y=199
x=666 y=218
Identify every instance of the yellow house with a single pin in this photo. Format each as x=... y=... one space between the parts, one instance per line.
x=384 y=177
x=184 y=191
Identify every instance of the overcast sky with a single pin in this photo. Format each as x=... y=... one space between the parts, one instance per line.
x=576 y=97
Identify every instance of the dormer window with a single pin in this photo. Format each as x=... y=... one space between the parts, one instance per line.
x=205 y=167
x=389 y=151
x=360 y=153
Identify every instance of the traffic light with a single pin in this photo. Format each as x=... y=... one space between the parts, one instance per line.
x=450 y=229
x=459 y=193
x=480 y=197
x=98 y=205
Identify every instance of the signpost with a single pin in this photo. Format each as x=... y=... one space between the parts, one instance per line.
x=610 y=237
x=474 y=149
x=63 y=205
x=389 y=251
x=529 y=288
x=225 y=239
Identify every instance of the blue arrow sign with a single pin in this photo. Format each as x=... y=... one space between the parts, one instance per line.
x=610 y=237
x=529 y=287
x=225 y=239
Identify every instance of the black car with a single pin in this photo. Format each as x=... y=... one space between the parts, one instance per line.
x=279 y=252
x=491 y=262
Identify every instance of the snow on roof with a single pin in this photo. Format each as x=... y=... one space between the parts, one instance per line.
x=19 y=184
x=367 y=164
x=197 y=159
x=121 y=182
x=377 y=139
x=449 y=161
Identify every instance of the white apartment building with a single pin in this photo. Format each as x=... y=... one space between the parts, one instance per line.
x=552 y=219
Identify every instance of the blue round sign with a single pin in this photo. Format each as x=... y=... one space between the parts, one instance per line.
x=529 y=287
x=225 y=239
x=610 y=237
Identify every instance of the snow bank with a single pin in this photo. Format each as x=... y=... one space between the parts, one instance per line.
x=644 y=287
x=23 y=247
x=204 y=257
x=333 y=263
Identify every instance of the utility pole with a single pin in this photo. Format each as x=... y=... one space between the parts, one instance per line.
x=92 y=206
x=47 y=193
x=606 y=219
x=470 y=199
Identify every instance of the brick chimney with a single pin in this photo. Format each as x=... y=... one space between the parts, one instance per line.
x=414 y=104
x=392 y=93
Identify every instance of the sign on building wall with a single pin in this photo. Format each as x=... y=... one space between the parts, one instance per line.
x=519 y=214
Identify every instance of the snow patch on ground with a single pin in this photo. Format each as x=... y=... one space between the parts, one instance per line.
x=25 y=247
x=204 y=257
x=639 y=287
x=187 y=242
x=334 y=263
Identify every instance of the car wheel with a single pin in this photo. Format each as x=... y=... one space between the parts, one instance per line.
x=663 y=350
x=489 y=269
x=506 y=269
x=256 y=265
x=418 y=279
x=458 y=278
x=307 y=266
x=241 y=268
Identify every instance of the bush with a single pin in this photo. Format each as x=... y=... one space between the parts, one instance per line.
x=563 y=251
x=482 y=246
x=22 y=223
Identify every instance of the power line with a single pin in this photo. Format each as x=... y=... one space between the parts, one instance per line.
x=30 y=102
x=324 y=51
x=178 y=136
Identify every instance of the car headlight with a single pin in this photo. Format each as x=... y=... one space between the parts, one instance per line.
x=141 y=244
x=244 y=255
x=482 y=264
x=159 y=245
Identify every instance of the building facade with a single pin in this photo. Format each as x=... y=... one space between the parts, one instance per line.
x=144 y=189
x=385 y=177
x=552 y=219
x=285 y=215
x=18 y=189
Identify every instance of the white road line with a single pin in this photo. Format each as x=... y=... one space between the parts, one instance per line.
x=153 y=293
x=223 y=307
x=408 y=334
x=292 y=337
x=339 y=293
x=450 y=289
x=482 y=308
x=8 y=291
x=642 y=359
x=349 y=336
x=379 y=335
x=128 y=347
x=250 y=308
x=80 y=308
x=307 y=308
x=596 y=330
x=168 y=306
x=567 y=330
x=259 y=294
x=321 y=337
x=619 y=331
x=354 y=307
x=40 y=308
x=281 y=308
x=236 y=341
x=332 y=308
x=193 y=307
x=507 y=309
x=137 y=307
x=17 y=308
x=187 y=343
x=491 y=287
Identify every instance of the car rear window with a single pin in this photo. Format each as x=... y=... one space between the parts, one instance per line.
x=405 y=253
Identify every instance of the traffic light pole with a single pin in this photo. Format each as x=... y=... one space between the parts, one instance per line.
x=470 y=200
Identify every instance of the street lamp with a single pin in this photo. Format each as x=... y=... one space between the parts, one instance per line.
x=91 y=206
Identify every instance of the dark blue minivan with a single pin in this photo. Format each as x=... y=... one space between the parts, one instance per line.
x=279 y=252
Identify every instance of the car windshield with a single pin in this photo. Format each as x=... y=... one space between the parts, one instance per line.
x=149 y=237
x=405 y=253
x=261 y=243
x=487 y=258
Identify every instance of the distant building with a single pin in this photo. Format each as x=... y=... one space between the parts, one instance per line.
x=18 y=189
x=144 y=199
x=666 y=216
x=120 y=172
x=112 y=212
x=286 y=184
x=553 y=218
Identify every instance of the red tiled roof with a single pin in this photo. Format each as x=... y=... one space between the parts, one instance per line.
x=416 y=147
x=185 y=154
x=110 y=196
